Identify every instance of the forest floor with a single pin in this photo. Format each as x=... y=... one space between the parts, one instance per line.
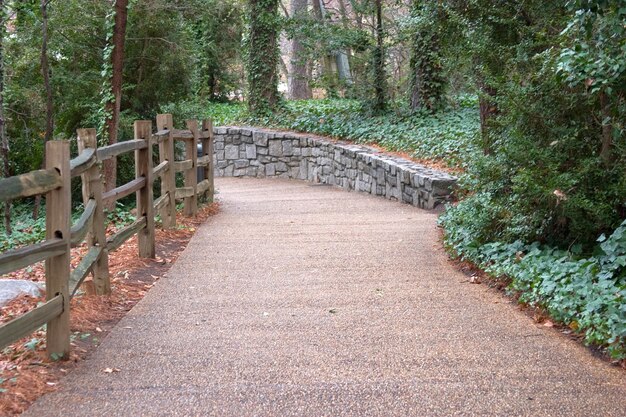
x=26 y=373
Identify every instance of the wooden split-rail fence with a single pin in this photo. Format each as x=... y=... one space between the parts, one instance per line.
x=54 y=181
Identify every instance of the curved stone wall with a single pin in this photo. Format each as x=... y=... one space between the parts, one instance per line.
x=253 y=152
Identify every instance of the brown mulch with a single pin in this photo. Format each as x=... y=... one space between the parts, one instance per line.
x=26 y=373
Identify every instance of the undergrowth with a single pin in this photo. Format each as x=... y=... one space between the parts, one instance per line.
x=585 y=292
x=26 y=231
x=445 y=136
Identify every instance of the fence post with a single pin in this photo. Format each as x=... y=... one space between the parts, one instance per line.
x=92 y=189
x=58 y=207
x=143 y=168
x=207 y=149
x=168 y=179
x=191 y=175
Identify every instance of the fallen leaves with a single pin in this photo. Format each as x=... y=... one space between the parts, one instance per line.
x=25 y=372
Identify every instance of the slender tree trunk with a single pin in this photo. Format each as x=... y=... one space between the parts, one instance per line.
x=488 y=110
x=263 y=56
x=606 y=152
x=343 y=60
x=4 y=140
x=298 y=84
x=113 y=107
x=45 y=72
x=380 y=102
x=328 y=74
x=283 y=68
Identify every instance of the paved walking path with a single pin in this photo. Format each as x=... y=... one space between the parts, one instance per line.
x=302 y=300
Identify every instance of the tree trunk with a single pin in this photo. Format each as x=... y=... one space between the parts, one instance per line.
x=606 y=152
x=488 y=110
x=427 y=82
x=113 y=107
x=380 y=102
x=45 y=72
x=343 y=67
x=342 y=58
x=328 y=75
x=4 y=140
x=298 y=83
x=263 y=56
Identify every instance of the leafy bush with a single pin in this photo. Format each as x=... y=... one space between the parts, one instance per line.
x=222 y=114
x=588 y=294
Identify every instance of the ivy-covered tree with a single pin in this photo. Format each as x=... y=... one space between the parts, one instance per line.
x=262 y=56
x=427 y=84
x=115 y=56
x=4 y=140
x=378 y=75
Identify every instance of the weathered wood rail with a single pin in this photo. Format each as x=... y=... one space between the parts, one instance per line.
x=62 y=283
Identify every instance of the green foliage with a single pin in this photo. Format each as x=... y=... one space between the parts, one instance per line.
x=594 y=45
x=427 y=27
x=262 y=56
x=543 y=179
x=588 y=294
x=169 y=49
x=326 y=37
x=543 y=169
x=446 y=135
x=222 y=114
x=27 y=231
x=217 y=29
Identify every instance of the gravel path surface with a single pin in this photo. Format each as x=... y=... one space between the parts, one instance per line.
x=303 y=300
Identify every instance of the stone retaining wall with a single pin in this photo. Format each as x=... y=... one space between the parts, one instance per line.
x=261 y=153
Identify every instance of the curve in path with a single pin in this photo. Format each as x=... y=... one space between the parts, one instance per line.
x=301 y=300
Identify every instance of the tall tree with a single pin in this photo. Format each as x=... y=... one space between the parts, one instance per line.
x=262 y=63
x=113 y=106
x=427 y=82
x=45 y=72
x=298 y=82
x=4 y=140
x=343 y=62
x=328 y=75
x=378 y=63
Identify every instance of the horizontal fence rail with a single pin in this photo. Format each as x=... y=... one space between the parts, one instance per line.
x=30 y=184
x=83 y=162
x=31 y=321
x=120 y=148
x=79 y=230
x=63 y=283
x=20 y=258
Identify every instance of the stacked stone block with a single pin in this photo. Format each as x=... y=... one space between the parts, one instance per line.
x=261 y=153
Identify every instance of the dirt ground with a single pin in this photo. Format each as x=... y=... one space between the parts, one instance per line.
x=26 y=373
